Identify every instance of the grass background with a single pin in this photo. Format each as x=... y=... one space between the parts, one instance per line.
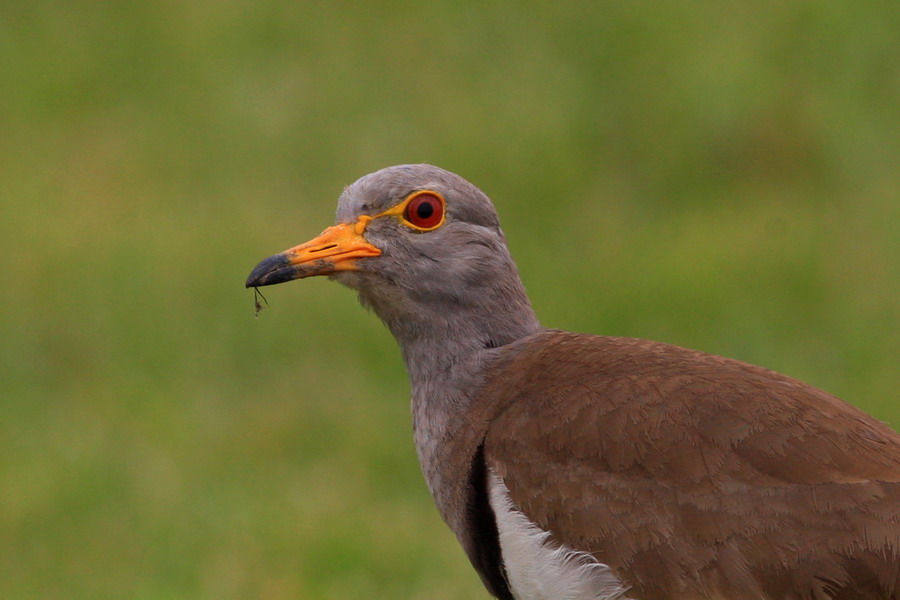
x=720 y=175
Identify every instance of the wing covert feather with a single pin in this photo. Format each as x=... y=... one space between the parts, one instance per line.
x=691 y=473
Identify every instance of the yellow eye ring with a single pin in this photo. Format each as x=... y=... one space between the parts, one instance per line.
x=424 y=210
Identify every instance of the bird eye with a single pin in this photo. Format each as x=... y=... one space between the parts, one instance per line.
x=425 y=211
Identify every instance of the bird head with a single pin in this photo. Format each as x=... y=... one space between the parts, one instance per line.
x=422 y=246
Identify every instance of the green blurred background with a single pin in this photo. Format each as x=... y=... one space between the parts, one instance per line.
x=719 y=175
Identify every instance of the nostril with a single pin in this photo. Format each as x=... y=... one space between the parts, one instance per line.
x=323 y=248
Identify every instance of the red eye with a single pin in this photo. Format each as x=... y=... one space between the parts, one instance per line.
x=425 y=211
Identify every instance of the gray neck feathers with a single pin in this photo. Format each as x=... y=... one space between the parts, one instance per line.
x=445 y=358
x=439 y=331
x=450 y=322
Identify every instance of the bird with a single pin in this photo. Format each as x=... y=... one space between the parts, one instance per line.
x=577 y=466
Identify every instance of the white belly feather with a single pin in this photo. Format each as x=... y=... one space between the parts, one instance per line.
x=537 y=568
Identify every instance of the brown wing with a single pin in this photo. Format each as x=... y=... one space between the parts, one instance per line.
x=695 y=476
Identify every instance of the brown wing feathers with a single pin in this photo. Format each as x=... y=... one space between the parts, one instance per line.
x=694 y=475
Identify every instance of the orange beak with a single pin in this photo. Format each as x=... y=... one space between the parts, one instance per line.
x=336 y=249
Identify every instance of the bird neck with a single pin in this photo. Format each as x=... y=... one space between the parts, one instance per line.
x=453 y=338
x=450 y=323
x=446 y=355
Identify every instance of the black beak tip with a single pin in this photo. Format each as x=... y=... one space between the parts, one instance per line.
x=270 y=271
